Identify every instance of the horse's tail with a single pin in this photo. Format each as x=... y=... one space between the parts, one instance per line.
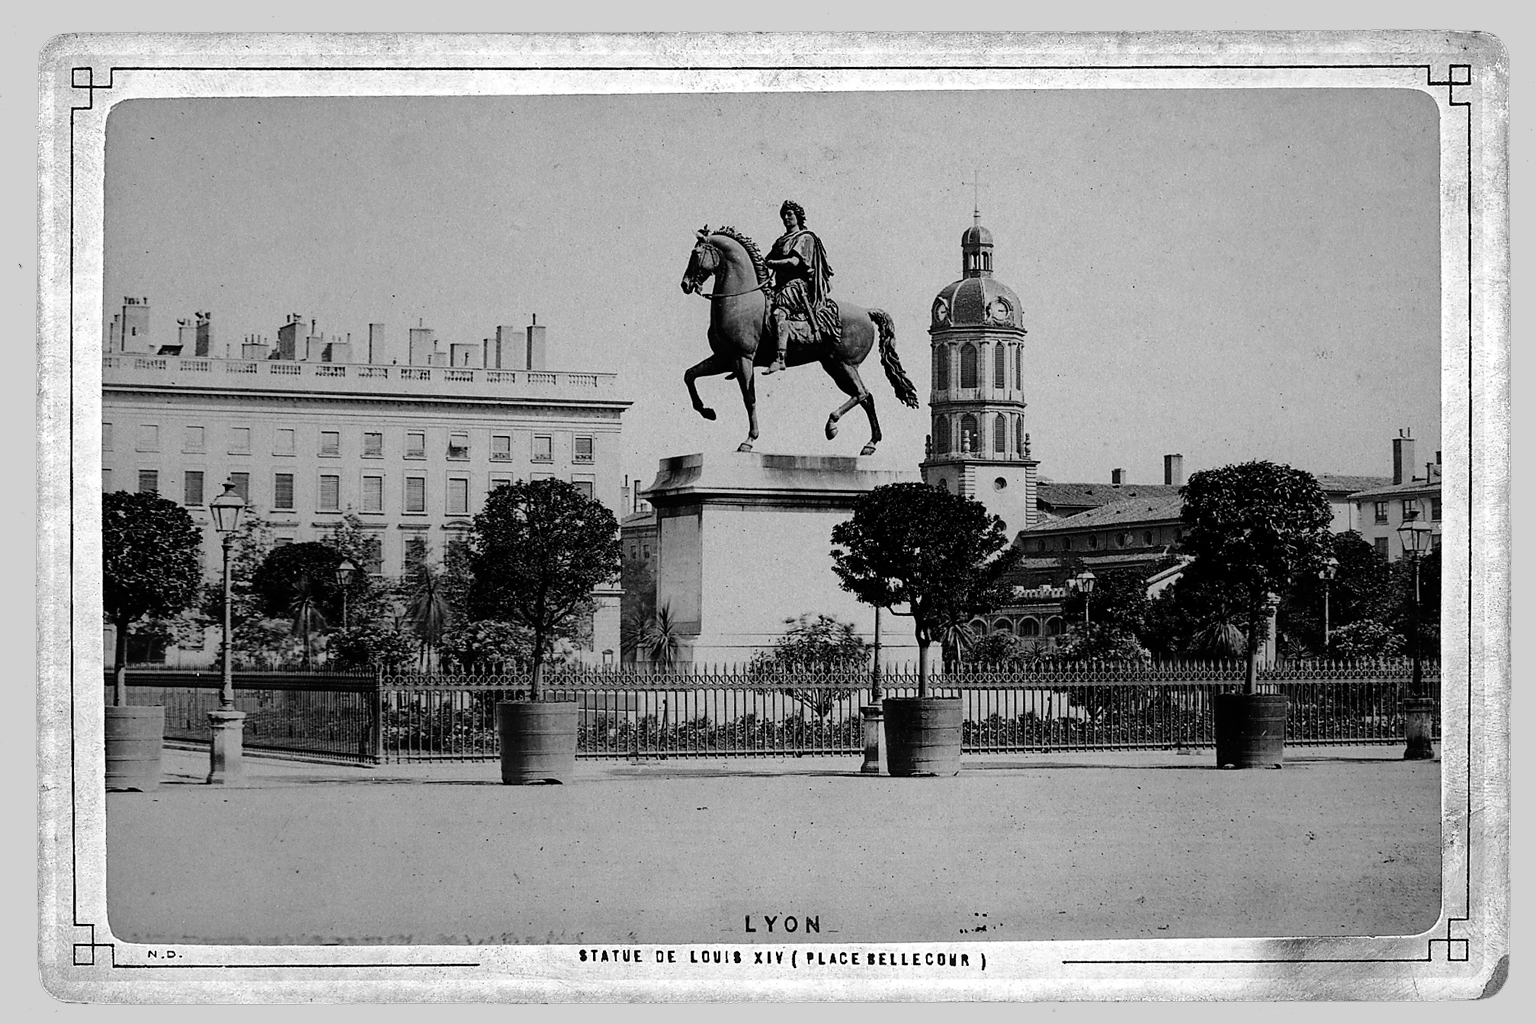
x=900 y=382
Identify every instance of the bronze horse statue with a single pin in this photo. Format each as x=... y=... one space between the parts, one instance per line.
x=741 y=336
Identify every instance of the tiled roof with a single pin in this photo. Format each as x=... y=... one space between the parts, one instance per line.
x=1334 y=483
x=1132 y=510
x=1417 y=487
x=639 y=519
x=1070 y=494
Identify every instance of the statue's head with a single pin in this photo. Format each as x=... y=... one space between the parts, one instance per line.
x=795 y=210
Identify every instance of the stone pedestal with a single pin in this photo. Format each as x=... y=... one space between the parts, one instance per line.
x=870 y=716
x=226 y=760
x=1419 y=726
x=745 y=543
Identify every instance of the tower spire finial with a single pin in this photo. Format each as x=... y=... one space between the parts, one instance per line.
x=976 y=197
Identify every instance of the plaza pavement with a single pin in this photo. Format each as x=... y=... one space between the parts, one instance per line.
x=1341 y=841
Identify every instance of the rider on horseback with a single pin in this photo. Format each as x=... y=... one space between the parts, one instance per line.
x=802 y=307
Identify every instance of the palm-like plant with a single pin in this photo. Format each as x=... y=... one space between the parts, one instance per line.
x=428 y=611
x=661 y=642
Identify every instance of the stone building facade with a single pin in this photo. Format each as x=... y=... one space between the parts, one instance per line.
x=411 y=449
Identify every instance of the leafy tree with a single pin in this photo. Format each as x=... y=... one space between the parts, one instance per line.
x=1256 y=527
x=821 y=644
x=372 y=645
x=1199 y=615
x=1362 y=588
x=367 y=599
x=151 y=566
x=998 y=650
x=537 y=550
x=1099 y=641
x=1119 y=599
x=298 y=581
x=253 y=633
x=488 y=645
x=941 y=555
x=1364 y=639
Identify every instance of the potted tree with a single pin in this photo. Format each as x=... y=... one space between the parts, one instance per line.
x=943 y=557
x=536 y=551
x=1254 y=527
x=150 y=567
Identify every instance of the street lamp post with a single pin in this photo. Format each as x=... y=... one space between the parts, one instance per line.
x=1329 y=570
x=227 y=726
x=1419 y=708
x=1084 y=582
x=871 y=714
x=344 y=573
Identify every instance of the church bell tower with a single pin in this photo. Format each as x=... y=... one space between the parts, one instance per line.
x=977 y=445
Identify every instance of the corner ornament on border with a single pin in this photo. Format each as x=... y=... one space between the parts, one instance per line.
x=1455 y=75
x=85 y=78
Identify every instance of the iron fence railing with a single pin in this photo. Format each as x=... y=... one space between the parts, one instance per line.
x=317 y=715
x=735 y=712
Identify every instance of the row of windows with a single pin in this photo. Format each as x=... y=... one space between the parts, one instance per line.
x=1382 y=509
x=1027 y=626
x=414 y=444
x=971 y=359
x=967 y=434
x=328 y=492
x=1123 y=539
x=417 y=551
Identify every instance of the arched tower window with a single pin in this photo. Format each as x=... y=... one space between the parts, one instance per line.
x=1018 y=367
x=968 y=365
x=1000 y=433
x=1000 y=367
x=967 y=433
x=941 y=367
x=941 y=435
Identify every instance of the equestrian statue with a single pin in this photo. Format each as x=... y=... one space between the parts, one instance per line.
x=778 y=312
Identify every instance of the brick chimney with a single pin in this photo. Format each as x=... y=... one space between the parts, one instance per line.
x=1173 y=470
x=376 y=351
x=1402 y=457
x=535 y=344
x=1117 y=477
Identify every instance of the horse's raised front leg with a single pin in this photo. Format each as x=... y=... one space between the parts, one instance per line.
x=748 y=382
x=706 y=367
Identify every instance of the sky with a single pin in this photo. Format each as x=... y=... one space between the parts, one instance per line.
x=1226 y=274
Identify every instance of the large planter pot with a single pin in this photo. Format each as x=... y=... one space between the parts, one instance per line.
x=922 y=735
x=135 y=734
x=538 y=741
x=1250 y=729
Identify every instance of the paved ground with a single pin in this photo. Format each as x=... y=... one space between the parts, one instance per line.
x=1048 y=846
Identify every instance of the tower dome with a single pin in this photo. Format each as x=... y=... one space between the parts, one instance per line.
x=978 y=299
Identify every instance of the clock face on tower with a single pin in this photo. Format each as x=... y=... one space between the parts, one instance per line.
x=940 y=311
x=999 y=311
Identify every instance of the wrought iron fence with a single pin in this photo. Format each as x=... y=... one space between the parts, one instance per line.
x=736 y=712
x=317 y=715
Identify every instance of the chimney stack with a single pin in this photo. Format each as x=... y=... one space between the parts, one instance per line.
x=1173 y=470
x=1402 y=457
x=1117 y=477
x=376 y=351
x=535 y=345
